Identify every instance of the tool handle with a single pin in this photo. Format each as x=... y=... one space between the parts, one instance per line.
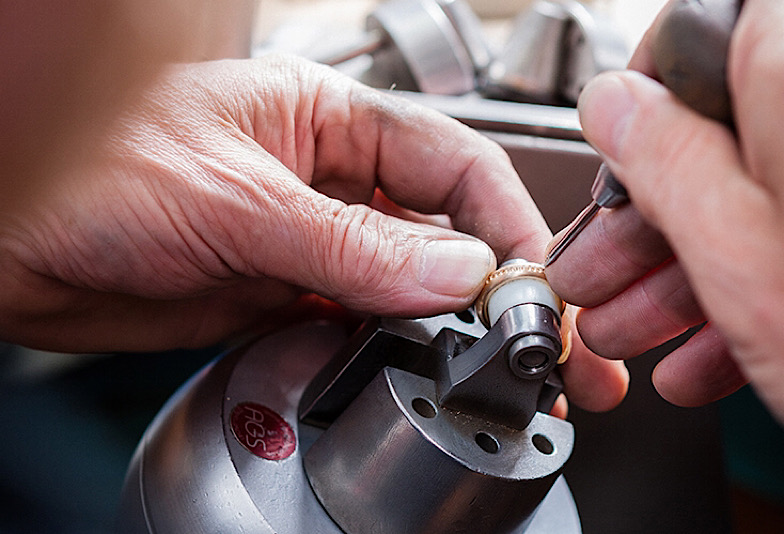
x=690 y=51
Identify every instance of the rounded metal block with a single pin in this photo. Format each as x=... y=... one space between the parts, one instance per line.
x=554 y=49
x=220 y=456
x=530 y=63
x=395 y=463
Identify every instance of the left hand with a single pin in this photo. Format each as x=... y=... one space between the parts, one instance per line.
x=236 y=187
x=236 y=191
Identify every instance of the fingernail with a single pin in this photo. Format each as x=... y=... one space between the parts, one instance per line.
x=606 y=108
x=455 y=267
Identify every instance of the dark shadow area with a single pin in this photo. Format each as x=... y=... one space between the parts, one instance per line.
x=648 y=466
x=68 y=435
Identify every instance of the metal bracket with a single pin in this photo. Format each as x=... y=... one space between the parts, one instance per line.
x=501 y=376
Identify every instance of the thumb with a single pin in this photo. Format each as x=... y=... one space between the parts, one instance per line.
x=385 y=265
x=357 y=256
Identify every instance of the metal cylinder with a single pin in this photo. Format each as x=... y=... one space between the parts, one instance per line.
x=395 y=463
x=226 y=452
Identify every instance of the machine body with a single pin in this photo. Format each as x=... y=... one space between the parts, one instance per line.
x=310 y=430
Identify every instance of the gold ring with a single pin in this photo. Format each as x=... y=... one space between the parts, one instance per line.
x=515 y=271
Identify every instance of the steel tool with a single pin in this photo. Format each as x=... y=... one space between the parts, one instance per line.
x=554 y=48
x=434 y=46
x=690 y=52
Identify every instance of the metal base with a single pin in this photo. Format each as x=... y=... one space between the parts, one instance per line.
x=192 y=474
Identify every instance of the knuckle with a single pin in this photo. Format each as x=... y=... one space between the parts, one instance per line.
x=361 y=253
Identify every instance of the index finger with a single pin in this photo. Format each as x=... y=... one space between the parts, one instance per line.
x=428 y=162
x=617 y=248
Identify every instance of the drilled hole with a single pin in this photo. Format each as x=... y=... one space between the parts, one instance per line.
x=532 y=361
x=424 y=407
x=487 y=442
x=542 y=444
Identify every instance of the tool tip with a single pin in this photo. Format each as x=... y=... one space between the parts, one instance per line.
x=573 y=230
x=553 y=253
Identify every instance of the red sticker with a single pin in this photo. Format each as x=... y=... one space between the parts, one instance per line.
x=262 y=431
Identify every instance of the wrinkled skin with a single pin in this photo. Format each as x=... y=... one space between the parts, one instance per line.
x=226 y=189
x=147 y=207
x=703 y=240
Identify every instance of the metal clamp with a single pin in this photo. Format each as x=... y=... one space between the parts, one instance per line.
x=501 y=376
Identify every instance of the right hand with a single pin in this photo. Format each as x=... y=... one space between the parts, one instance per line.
x=704 y=236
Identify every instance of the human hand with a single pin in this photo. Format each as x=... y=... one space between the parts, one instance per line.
x=238 y=151
x=235 y=184
x=702 y=239
x=238 y=190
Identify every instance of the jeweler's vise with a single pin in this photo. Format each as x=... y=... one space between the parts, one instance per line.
x=445 y=402
x=424 y=426
x=494 y=361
